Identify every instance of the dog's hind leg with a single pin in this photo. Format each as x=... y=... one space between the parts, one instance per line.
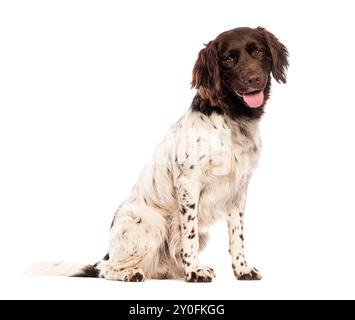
x=136 y=238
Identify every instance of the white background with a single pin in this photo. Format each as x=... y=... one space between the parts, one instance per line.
x=87 y=89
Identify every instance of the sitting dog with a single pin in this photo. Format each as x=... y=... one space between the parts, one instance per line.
x=200 y=171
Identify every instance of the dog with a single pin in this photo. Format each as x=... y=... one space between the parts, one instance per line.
x=199 y=172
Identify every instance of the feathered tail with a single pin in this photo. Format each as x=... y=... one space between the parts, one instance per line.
x=64 y=269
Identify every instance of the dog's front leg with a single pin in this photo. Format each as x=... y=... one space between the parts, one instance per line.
x=188 y=197
x=236 y=241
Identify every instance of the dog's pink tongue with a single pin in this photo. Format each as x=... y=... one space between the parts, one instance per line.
x=254 y=100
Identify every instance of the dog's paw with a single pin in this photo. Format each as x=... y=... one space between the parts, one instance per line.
x=134 y=275
x=248 y=273
x=201 y=274
x=124 y=274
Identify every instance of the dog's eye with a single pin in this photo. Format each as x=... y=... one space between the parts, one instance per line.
x=258 y=53
x=228 y=61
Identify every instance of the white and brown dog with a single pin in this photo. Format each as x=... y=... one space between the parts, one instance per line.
x=200 y=171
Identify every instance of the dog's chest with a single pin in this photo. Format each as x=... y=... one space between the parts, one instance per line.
x=230 y=171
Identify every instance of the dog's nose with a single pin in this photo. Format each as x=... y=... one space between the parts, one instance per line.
x=253 y=79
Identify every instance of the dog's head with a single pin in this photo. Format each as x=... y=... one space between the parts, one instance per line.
x=240 y=61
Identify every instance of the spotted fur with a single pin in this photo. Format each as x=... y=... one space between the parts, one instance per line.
x=157 y=229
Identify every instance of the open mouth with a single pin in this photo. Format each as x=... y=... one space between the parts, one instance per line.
x=253 y=99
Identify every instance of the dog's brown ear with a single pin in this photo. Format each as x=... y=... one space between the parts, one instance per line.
x=205 y=75
x=279 y=55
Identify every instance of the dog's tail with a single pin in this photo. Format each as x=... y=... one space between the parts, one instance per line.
x=64 y=269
